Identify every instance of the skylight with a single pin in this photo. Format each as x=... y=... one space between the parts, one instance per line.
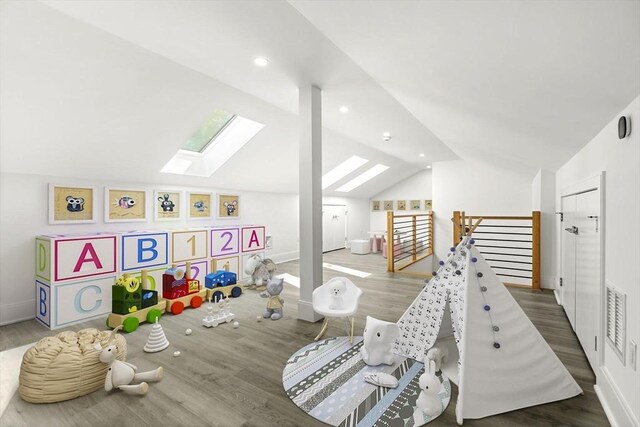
x=200 y=158
x=208 y=131
x=342 y=170
x=362 y=178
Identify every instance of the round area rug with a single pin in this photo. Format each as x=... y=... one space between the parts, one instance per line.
x=326 y=380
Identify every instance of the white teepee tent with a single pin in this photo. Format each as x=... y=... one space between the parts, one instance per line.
x=499 y=360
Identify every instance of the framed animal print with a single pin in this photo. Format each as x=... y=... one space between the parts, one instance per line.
x=199 y=205
x=428 y=205
x=402 y=205
x=228 y=206
x=70 y=204
x=168 y=205
x=388 y=205
x=414 y=204
x=125 y=205
x=375 y=205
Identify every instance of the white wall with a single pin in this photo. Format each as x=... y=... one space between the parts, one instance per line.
x=23 y=215
x=621 y=161
x=415 y=187
x=357 y=216
x=543 y=199
x=478 y=189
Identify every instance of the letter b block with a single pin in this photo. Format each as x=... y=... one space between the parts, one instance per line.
x=143 y=250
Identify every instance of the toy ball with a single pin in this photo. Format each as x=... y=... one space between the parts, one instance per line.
x=188 y=331
x=176 y=353
x=452 y=249
x=441 y=262
x=259 y=318
x=236 y=325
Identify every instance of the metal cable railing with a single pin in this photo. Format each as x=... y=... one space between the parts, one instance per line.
x=409 y=239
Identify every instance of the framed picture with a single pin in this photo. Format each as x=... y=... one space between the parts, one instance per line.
x=402 y=205
x=228 y=206
x=71 y=204
x=414 y=204
x=388 y=205
x=167 y=205
x=199 y=205
x=428 y=205
x=125 y=205
x=375 y=205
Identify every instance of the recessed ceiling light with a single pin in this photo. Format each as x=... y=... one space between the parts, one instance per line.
x=386 y=136
x=343 y=109
x=421 y=154
x=428 y=166
x=342 y=170
x=362 y=178
x=261 y=62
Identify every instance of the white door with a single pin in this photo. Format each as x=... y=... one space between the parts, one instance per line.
x=334 y=231
x=587 y=277
x=569 y=258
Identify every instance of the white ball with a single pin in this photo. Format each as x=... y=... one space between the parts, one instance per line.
x=236 y=325
x=176 y=353
x=188 y=331
x=259 y=318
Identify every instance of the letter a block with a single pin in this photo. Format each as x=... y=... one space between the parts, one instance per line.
x=253 y=238
x=74 y=275
x=143 y=250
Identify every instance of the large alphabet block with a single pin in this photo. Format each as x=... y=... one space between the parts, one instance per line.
x=143 y=250
x=253 y=238
x=231 y=264
x=198 y=270
x=189 y=245
x=225 y=241
x=154 y=279
x=64 y=258
x=64 y=304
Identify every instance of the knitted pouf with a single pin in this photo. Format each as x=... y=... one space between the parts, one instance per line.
x=66 y=366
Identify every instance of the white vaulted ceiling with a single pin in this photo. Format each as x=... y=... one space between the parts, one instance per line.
x=90 y=88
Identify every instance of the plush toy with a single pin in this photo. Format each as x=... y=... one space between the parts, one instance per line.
x=275 y=301
x=337 y=290
x=428 y=400
x=261 y=270
x=439 y=354
x=121 y=374
x=379 y=337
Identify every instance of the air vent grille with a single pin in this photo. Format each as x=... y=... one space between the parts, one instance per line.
x=616 y=320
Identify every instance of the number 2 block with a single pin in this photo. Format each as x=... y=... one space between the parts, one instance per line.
x=189 y=245
x=225 y=241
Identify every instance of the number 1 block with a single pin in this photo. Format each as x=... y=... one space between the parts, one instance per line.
x=189 y=245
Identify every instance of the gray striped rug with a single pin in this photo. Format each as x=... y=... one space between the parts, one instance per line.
x=326 y=380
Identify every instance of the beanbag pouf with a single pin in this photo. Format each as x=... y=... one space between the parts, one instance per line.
x=66 y=366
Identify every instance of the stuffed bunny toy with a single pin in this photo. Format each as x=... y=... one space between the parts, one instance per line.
x=428 y=400
x=121 y=374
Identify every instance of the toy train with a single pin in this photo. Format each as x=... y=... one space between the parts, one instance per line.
x=132 y=303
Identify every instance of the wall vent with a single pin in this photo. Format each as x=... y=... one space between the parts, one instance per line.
x=616 y=320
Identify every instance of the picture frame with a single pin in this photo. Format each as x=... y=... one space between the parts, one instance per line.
x=415 y=205
x=199 y=205
x=375 y=206
x=228 y=206
x=167 y=205
x=123 y=204
x=388 y=205
x=401 y=205
x=428 y=205
x=71 y=204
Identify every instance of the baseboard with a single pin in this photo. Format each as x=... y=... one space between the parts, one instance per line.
x=556 y=293
x=615 y=406
x=284 y=257
x=17 y=312
x=307 y=313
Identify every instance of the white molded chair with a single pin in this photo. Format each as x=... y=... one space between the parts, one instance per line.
x=322 y=298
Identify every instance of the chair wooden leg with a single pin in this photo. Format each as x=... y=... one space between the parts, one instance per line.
x=352 y=324
x=324 y=328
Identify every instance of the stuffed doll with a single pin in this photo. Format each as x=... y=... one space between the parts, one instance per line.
x=337 y=290
x=274 y=301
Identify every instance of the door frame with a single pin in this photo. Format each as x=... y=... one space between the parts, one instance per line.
x=595 y=182
x=346 y=222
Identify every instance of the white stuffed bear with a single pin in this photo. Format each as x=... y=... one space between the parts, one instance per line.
x=337 y=290
x=379 y=337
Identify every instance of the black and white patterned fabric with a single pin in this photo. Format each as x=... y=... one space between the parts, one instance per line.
x=442 y=296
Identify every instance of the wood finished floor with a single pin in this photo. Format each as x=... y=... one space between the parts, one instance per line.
x=233 y=377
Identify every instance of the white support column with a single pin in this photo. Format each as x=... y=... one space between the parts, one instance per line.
x=310 y=104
